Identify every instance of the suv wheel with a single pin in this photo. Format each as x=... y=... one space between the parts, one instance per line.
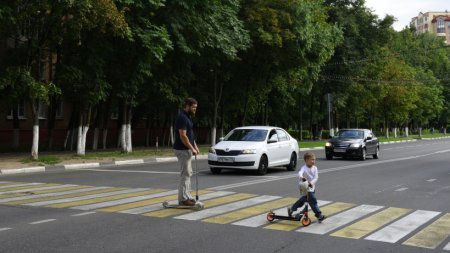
x=377 y=153
x=362 y=156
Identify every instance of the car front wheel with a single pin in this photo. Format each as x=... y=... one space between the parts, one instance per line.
x=263 y=163
x=293 y=162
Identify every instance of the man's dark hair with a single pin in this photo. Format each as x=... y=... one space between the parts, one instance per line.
x=190 y=101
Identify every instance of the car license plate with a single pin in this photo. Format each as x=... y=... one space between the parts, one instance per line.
x=226 y=159
x=339 y=150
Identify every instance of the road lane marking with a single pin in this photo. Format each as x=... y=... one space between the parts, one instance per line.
x=364 y=227
x=158 y=207
x=402 y=227
x=447 y=247
x=431 y=180
x=249 y=212
x=41 y=221
x=341 y=219
x=140 y=192
x=288 y=225
x=83 y=214
x=209 y=212
x=433 y=235
x=131 y=171
x=401 y=189
x=4 y=229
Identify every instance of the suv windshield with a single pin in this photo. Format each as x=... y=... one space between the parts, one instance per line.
x=350 y=134
x=246 y=135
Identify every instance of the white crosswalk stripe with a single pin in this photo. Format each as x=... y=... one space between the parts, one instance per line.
x=53 y=194
x=261 y=220
x=206 y=213
x=341 y=219
x=19 y=185
x=402 y=227
x=38 y=189
x=124 y=201
x=156 y=207
x=58 y=201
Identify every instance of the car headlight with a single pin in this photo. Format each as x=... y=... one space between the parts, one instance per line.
x=212 y=150
x=355 y=145
x=248 y=151
x=328 y=144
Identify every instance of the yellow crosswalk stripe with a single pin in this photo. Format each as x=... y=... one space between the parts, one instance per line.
x=26 y=201
x=103 y=199
x=146 y=202
x=207 y=203
x=37 y=192
x=372 y=223
x=330 y=209
x=12 y=188
x=250 y=211
x=433 y=235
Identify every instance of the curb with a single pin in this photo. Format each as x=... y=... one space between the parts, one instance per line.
x=144 y=161
x=91 y=165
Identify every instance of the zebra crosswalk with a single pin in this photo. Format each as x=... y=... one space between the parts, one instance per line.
x=417 y=228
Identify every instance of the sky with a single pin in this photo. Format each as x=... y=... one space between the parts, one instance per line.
x=405 y=10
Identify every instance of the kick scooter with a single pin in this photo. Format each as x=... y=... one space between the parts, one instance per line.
x=198 y=205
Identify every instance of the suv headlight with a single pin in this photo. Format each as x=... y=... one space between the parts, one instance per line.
x=355 y=145
x=211 y=150
x=328 y=144
x=248 y=151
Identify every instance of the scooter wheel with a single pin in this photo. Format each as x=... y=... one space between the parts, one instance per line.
x=306 y=222
x=271 y=216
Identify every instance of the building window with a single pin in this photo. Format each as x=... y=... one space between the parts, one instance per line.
x=440 y=26
x=20 y=111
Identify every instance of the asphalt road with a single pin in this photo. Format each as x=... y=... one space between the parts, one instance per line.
x=398 y=203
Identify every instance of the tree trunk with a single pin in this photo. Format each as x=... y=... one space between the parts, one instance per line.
x=126 y=141
x=83 y=128
x=35 y=144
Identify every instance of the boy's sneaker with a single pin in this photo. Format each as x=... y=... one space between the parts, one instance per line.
x=289 y=211
x=322 y=217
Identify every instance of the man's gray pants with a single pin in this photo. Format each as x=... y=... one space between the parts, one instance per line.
x=185 y=160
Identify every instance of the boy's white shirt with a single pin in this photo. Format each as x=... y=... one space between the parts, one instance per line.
x=311 y=175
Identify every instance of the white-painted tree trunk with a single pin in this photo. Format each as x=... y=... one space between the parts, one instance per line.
x=95 y=140
x=395 y=132
x=123 y=142
x=172 y=138
x=406 y=131
x=129 y=140
x=213 y=136
x=35 y=145
x=387 y=132
x=81 y=143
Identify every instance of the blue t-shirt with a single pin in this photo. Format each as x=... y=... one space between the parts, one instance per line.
x=184 y=121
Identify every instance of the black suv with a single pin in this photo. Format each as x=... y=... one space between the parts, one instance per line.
x=353 y=143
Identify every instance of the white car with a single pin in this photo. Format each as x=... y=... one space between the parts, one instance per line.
x=254 y=148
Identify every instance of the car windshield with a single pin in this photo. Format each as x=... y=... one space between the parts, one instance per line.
x=350 y=134
x=246 y=135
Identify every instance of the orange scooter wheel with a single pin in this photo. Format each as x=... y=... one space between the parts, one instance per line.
x=306 y=222
x=271 y=216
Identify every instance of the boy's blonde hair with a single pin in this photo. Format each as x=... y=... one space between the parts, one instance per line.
x=308 y=155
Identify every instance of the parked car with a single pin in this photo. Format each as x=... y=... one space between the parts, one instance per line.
x=353 y=143
x=254 y=148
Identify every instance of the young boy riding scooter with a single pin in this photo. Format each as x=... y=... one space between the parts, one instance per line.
x=308 y=173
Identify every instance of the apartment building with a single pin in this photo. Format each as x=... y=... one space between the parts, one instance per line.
x=433 y=22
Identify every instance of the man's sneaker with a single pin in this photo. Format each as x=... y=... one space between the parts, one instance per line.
x=189 y=202
x=322 y=217
x=289 y=211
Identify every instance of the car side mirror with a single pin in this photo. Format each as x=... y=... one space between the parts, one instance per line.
x=369 y=138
